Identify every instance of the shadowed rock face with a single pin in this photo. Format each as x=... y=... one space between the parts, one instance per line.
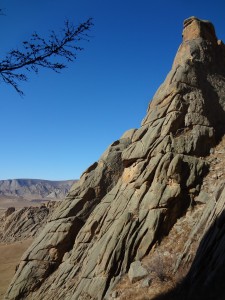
x=143 y=183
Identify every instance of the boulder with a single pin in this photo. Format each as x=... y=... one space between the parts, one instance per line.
x=136 y=271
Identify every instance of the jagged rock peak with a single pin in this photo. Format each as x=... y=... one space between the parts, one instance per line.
x=124 y=204
x=196 y=28
x=200 y=44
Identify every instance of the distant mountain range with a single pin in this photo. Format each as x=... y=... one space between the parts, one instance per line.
x=35 y=189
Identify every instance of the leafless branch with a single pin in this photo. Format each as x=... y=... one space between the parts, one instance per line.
x=52 y=53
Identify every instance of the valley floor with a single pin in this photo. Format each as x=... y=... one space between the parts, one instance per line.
x=10 y=255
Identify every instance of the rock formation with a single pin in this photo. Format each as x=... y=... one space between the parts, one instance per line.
x=130 y=199
x=17 y=225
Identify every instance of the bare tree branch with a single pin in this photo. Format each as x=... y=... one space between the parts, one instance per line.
x=53 y=53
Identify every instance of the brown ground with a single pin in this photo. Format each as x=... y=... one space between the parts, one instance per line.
x=18 y=203
x=10 y=255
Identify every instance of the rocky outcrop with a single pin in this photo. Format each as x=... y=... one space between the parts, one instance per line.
x=17 y=225
x=191 y=257
x=130 y=199
x=34 y=189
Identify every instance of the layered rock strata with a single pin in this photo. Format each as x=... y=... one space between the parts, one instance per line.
x=131 y=198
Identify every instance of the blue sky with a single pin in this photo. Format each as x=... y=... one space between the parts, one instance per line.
x=66 y=121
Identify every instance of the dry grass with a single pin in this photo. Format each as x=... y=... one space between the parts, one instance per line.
x=161 y=276
x=10 y=255
x=128 y=291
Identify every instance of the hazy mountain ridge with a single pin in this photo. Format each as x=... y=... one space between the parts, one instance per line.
x=35 y=188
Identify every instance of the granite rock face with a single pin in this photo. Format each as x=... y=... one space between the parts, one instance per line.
x=17 y=225
x=131 y=198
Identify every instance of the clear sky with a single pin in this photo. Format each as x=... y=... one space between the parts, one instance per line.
x=65 y=122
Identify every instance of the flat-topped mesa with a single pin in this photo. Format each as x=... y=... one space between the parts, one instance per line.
x=196 y=28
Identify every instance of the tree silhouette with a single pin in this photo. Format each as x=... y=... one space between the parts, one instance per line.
x=52 y=53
